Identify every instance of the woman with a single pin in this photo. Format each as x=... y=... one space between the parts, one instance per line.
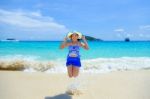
x=73 y=58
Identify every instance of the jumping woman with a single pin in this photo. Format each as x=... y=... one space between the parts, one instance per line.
x=73 y=62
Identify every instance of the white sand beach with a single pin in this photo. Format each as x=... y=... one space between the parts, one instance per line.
x=38 y=85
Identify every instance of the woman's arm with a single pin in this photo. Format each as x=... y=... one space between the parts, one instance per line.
x=64 y=43
x=84 y=44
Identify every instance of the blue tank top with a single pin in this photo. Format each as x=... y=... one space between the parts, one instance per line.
x=74 y=51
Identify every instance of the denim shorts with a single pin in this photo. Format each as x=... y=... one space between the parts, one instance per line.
x=74 y=61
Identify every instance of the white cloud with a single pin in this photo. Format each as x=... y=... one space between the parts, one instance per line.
x=141 y=35
x=119 y=30
x=145 y=27
x=31 y=21
x=129 y=35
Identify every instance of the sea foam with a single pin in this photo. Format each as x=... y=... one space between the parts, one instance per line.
x=98 y=65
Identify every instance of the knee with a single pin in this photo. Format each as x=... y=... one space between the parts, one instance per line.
x=75 y=75
x=70 y=75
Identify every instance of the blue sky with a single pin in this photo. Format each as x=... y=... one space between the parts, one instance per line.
x=52 y=19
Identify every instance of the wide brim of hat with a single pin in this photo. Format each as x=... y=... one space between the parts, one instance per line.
x=79 y=34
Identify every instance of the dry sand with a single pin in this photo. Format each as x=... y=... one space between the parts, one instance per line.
x=114 y=85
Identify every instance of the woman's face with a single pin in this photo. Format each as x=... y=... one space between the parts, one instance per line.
x=74 y=37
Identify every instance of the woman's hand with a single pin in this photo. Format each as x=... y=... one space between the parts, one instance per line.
x=85 y=45
x=83 y=37
x=66 y=38
x=64 y=43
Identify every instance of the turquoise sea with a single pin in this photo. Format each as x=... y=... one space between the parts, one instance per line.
x=101 y=55
x=49 y=50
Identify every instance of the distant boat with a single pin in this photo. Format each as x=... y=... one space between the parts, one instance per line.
x=10 y=40
x=127 y=39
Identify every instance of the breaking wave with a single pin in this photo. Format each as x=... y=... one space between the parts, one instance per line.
x=98 y=65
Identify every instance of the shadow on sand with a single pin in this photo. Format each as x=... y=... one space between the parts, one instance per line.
x=60 y=96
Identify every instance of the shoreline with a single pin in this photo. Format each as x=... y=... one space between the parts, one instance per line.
x=38 y=85
x=98 y=65
x=88 y=40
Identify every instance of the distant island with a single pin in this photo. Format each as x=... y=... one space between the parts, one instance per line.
x=10 y=39
x=92 y=38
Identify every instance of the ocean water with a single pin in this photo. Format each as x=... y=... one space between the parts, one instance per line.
x=45 y=56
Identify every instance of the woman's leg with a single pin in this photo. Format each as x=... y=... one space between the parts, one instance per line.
x=70 y=71
x=75 y=71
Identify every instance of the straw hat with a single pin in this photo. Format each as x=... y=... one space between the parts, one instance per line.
x=75 y=32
